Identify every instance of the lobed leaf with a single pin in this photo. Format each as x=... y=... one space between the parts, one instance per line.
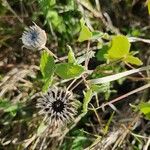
x=69 y=70
x=85 y=33
x=133 y=60
x=120 y=47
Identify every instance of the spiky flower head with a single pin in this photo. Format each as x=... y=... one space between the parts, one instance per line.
x=34 y=38
x=58 y=106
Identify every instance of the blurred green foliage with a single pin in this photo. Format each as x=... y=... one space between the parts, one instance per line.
x=62 y=18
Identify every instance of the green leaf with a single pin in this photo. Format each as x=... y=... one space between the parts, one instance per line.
x=9 y=107
x=77 y=143
x=103 y=88
x=120 y=47
x=148 y=5
x=108 y=123
x=133 y=60
x=85 y=33
x=101 y=53
x=87 y=98
x=69 y=70
x=47 y=83
x=47 y=65
x=97 y=35
x=71 y=57
x=144 y=107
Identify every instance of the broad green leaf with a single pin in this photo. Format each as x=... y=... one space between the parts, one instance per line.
x=41 y=128
x=47 y=65
x=69 y=70
x=120 y=47
x=87 y=98
x=71 y=57
x=133 y=60
x=144 y=108
x=148 y=5
x=85 y=33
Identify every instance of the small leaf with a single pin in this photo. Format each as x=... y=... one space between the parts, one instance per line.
x=71 y=57
x=144 y=108
x=133 y=60
x=69 y=70
x=120 y=47
x=47 y=82
x=9 y=107
x=87 y=98
x=41 y=128
x=101 y=53
x=85 y=33
x=103 y=88
x=47 y=65
x=97 y=35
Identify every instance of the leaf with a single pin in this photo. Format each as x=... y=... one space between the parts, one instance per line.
x=87 y=98
x=71 y=57
x=97 y=35
x=144 y=107
x=41 y=128
x=47 y=82
x=85 y=33
x=69 y=70
x=148 y=5
x=9 y=107
x=47 y=65
x=133 y=60
x=120 y=47
x=101 y=53
x=77 y=143
x=103 y=88
x=108 y=123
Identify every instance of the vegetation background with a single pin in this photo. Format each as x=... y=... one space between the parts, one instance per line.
x=123 y=123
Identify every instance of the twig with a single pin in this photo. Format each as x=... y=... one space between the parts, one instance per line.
x=98 y=14
x=125 y=95
x=6 y=4
x=147 y=144
x=136 y=39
